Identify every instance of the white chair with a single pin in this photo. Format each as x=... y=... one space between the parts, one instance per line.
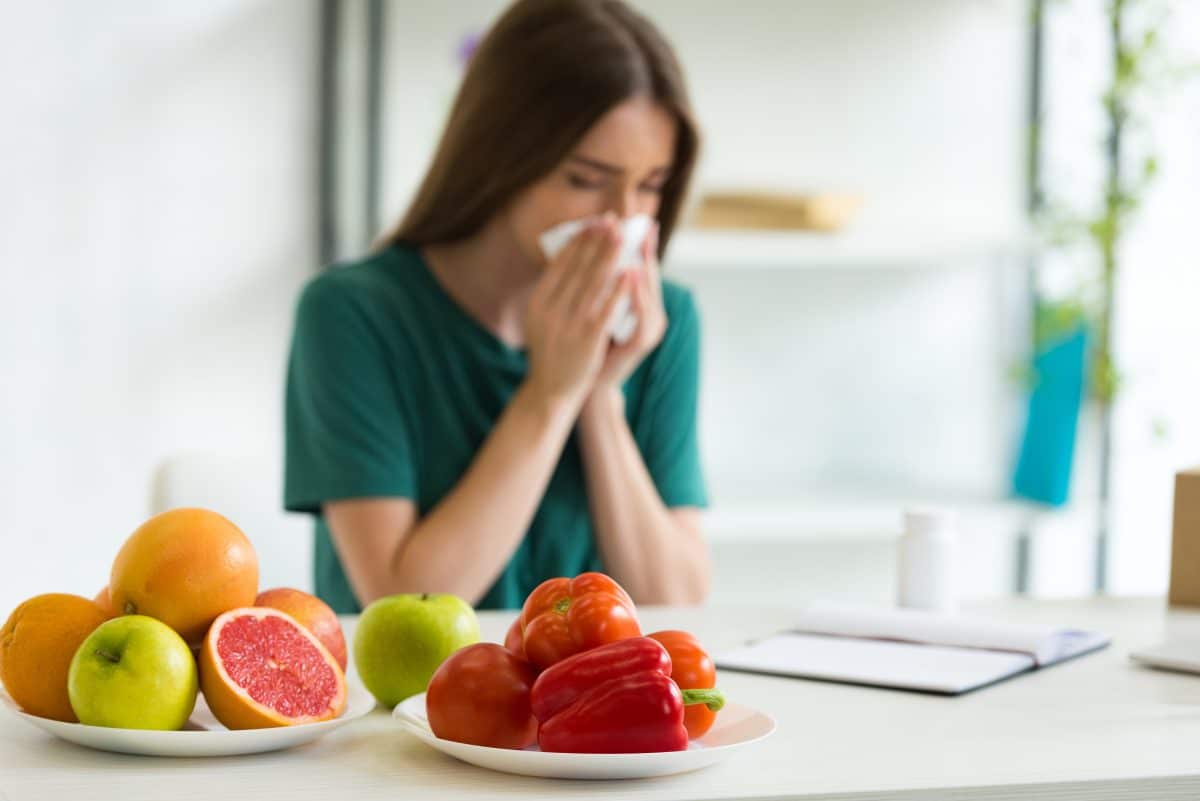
x=246 y=488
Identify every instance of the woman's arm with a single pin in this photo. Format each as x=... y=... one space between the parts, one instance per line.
x=658 y=554
x=465 y=541
x=463 y=544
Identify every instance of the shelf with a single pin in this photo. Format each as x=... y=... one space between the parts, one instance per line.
x=840 y=516
x=855 y=248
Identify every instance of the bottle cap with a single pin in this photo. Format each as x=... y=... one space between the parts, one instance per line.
x=929 y=520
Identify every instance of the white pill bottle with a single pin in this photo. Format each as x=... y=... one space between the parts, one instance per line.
x=925 y=569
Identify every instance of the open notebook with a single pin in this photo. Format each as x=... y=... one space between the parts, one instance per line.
x=908 y=649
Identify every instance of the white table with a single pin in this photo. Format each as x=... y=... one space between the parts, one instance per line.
x=1097 y=728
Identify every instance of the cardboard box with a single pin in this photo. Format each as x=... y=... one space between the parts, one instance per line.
x=1185 y=541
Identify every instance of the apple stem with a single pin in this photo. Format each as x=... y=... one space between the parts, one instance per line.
x=424 y=596
x=110 y=656
x=130 y=609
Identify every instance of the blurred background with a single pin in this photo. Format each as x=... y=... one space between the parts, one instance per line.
x=997 y=314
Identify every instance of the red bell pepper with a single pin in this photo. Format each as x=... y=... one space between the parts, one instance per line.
x=563 y=683
x=615 y=699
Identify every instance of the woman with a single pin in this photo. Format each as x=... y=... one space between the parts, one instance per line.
x=458 y=417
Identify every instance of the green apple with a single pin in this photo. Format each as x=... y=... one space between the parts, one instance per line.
x=133 y=672
x=402 y=639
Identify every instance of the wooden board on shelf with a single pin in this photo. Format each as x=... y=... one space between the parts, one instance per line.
x=775 y=211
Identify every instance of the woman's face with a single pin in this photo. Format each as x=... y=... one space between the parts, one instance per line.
x=620 y=165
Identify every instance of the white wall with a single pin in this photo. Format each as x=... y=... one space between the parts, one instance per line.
x=157 y=174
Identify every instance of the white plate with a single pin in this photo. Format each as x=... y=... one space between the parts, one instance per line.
x=203 y=736
x=736 y=727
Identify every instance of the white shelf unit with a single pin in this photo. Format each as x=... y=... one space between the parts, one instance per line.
x=846 y=513
x=855 y=515
x=843 y=545
x=840 y=540
x=863 y=248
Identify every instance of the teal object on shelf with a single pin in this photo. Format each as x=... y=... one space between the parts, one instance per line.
x=1048 y=450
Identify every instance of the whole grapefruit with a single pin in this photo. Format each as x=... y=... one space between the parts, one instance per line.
x=103 y=601
x=184 y=567
x=312 y=613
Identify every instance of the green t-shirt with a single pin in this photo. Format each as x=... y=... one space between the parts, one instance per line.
x=392 y=388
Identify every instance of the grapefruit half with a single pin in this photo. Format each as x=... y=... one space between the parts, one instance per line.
x=260 y=668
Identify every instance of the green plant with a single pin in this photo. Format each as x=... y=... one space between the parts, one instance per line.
x=1140 y=71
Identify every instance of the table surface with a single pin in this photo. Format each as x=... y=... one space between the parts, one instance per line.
x=1094 y=728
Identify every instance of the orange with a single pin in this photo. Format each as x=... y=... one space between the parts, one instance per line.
x=260 y=668
x=310 y=612
x=36 y=647
x=184 y=567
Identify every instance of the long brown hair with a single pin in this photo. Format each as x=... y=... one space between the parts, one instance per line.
x=541 y=77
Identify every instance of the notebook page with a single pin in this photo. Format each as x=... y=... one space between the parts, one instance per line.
x=1046 y=645
x=928 y=668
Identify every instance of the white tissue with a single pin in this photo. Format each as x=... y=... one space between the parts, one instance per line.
x=633 y=235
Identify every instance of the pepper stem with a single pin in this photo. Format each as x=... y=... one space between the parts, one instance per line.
x=713 y=698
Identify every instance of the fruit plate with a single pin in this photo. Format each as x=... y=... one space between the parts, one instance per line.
x=203 y=736
x=736 y=727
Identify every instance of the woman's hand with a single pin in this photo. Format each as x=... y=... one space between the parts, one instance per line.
x=647 y=304
x=566 y=323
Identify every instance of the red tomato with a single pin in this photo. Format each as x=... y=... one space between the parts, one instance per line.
x=514 y=640
x=480 y=695
x=563 y=617
x=692 y=669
